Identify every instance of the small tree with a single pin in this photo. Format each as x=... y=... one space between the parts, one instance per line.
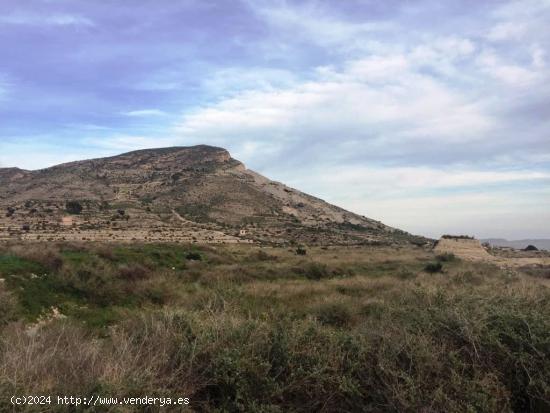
x=73 y=207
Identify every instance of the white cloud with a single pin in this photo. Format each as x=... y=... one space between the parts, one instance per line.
x=3 y=91
x=538 y=55
x=230 y=80
x=314 y=23
x=145 y=113
x=484 y=215
x=382 y=96
x=128 y=142
x=510 y=73
x=29 y=19
x=425 y=178
x=433 y=201
x=357 y=94
x=508 y=30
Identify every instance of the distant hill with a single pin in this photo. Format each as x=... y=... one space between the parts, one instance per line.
x=197 y=193
x=541 y=244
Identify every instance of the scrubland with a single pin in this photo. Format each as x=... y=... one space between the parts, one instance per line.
x=243 y=328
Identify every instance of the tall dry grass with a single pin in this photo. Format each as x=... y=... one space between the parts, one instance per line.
x=244 y=329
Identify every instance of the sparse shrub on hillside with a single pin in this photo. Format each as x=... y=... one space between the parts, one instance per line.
x=541 y=271
x=433 y=267
x=312 y=271
x=73 y=207
x=301 y=251
x=47 y=256
x=316 y=271
x=334 y=314
x=264 y=256
x=8 y=306
x=448 y=236
x=133 y=271
x=468 y=278
x=94 y=281
x=446 y=257
x=193 y=256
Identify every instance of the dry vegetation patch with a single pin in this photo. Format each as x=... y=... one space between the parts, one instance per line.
x=244 y=328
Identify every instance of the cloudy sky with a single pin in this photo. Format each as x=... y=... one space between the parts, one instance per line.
x=430 y=116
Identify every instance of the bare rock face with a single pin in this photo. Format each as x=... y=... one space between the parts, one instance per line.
x=197 y=193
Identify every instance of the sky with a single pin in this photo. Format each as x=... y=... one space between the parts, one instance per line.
x=431 y=116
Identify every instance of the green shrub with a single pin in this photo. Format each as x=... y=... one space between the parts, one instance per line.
x=8 y=306
x=433 y=267
x=446 y=257
x=334 y=314
x=193 y=256
x=133 y=271
x=11 y=264
x=264 y=256
x=73 y=207
x=315 y=271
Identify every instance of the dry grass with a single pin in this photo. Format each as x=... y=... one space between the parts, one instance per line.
x=248 y=329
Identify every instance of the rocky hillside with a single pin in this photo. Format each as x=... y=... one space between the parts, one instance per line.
x=194 y=193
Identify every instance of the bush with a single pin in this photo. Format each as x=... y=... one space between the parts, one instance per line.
x=315 y=271
x=133 y=271
x=446 y=257
x=334 y=314
x=433 y=267
x=301 y=251
x=46 y=255
x=8 y=306
x=193 y=256
x=73 y=207
x=264 y=256
x=448 y=236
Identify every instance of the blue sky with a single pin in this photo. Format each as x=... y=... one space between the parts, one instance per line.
x=430 y=116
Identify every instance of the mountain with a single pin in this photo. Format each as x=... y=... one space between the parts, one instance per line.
x=541 y=244
x=197 y=193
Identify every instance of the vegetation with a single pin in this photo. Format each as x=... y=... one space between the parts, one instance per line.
x=301 y=251
x=73 y=207
x=447 y=236
x=446 y=257
x=361 y=329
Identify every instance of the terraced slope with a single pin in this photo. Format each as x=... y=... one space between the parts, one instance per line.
x=197 y=193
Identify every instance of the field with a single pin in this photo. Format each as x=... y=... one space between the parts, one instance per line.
x=243 y=328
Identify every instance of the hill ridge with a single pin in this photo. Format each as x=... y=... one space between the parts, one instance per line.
x=133 y=196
